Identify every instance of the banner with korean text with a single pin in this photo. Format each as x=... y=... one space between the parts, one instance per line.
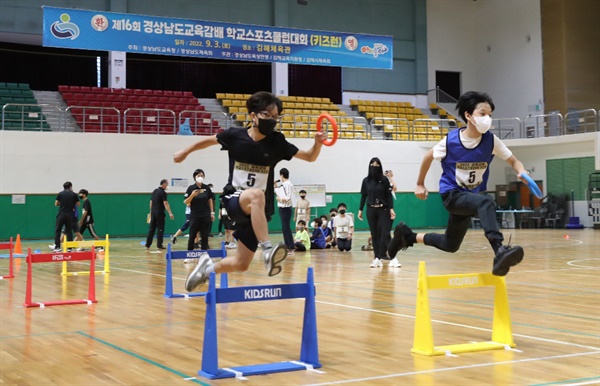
x=110 y=31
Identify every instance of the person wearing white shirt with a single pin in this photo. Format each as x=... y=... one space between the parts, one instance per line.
x=343 y=228
x=284 y=189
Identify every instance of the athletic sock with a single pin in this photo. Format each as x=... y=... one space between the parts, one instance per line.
x=210 y=268
x=496 y=244
x=265 y=244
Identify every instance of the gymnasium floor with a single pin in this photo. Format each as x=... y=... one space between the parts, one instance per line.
x=365 y=318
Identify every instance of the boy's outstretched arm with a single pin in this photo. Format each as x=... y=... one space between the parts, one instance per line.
x=312 y=154
x=421 y=191
x=201 y=144
x=517 y=166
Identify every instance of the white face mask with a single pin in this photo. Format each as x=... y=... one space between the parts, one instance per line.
x=199 y=179
x=483 y=124
x=313 y=224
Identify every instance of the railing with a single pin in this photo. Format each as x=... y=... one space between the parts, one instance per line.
x=545 y=125
x=581 y=121
x=95 y=119
x=25 y=117
x=507 y=128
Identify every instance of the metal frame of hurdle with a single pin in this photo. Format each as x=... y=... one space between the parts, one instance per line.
x=89 y=244
x=501 y=331
x=309 y=350
x=177 y=255
x=11 y=259
x=57 y=258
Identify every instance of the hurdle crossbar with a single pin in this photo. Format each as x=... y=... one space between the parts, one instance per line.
x=501 y=330
x=309 y=350
x=87 y=244
x=11 y=259
x=177 y=255
x=57 y=258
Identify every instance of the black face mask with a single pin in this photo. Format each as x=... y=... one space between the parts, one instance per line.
x=302 y=197
x=266 y=126
x=342 y=211
x=375 y=171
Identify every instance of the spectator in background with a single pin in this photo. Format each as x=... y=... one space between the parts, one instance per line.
x=302 y=208
x=87 y=216
x=284 y=191
x=343 y=228
x=326 y=231
x=201 y=200
x=376 y=193
x=67 y=201
x=317 y=240
x=302 y=239
x=158 y=205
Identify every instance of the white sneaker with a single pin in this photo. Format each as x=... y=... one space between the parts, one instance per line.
x=394 y=263
x=376 y=263
x=199 y=275
x=52 y=246
x=273 y=257
x=55 y=250
x=187 y=261
x=80 y=249
x=231 y=245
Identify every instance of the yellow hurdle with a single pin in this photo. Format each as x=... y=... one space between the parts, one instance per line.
x=87 y=244
x=501 y=331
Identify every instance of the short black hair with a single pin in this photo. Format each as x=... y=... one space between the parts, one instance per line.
x=342 y=204
x=164 y=181
x=318 y=221
x=284 y=172
x=303 y=191
x=198 y=171
x=84 y=191
x=263 y=100
x=67 y=185
x=301 y=222
x=469 y=101
x=332 y=210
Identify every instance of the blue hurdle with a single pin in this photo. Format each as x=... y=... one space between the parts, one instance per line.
x=309 y=350
x=177 y=255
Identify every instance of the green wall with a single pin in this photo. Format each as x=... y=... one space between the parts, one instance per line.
x=568 y=174
x=125 y=214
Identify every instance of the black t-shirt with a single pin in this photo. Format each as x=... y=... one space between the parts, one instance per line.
x=252 y=164
x=159 y=196
x=376 y=192
x=68 y=200
x=199 y=207
x=87 y=207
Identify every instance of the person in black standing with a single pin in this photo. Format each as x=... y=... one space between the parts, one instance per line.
x=67 y=201
x=87 y=217
x=158 y=204
x=201 y=200
x=376 y=192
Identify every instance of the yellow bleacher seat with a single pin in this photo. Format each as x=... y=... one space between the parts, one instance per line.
x=220 y=95
x=229 y=96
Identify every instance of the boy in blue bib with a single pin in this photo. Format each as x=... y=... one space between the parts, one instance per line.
x=466 y=155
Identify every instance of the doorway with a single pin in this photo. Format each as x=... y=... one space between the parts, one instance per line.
x=449 y=82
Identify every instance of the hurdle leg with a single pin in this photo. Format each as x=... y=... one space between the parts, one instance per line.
x=210 y=351
x=423 y=335
x=92 y=284
x=28 y=286
x=309 y=350
x=502 y=327
x=107 y=256
x=168 y=274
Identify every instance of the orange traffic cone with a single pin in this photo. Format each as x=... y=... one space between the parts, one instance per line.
x=18 y=245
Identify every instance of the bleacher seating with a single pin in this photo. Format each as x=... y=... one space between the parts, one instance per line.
x=103 y=109
x=20 y=110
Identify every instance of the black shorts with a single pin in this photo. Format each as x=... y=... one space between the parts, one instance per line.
x=243 y=226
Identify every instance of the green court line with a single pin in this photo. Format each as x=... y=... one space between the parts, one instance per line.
x=150 y=361
x=566 y=382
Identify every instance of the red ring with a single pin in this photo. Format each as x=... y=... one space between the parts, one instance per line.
x=334 y=126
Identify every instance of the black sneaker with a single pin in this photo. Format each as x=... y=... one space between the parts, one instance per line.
x=401 y=232
x=507 y=257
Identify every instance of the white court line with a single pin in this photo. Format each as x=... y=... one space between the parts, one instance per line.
x=461 y=325
x=456 y=368
x=594 y=382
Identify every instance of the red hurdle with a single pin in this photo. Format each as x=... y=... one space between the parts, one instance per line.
x=11 y=258
x=59 y=258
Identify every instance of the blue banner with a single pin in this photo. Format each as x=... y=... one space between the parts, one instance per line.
x=110 y=31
